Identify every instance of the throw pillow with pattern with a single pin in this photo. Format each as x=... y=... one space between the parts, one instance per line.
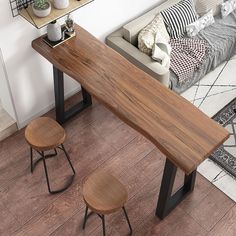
x=178 y=16
x=147 y=36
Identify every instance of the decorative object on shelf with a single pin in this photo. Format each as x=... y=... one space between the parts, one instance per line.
x=61 y=4
x=54 y=31
x=70 y=24
x=41 y=8
x=57 y=34
x=24 y=9
x=65 y=36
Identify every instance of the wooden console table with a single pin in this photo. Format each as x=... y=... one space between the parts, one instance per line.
x=182 y=132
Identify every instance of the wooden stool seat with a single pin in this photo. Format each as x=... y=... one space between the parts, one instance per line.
x=104 y=194
x=44 y=134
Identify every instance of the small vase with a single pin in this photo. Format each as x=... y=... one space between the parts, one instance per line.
x=54 y=31
x=61 y=4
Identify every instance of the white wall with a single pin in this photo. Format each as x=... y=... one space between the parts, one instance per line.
x=5 y=94
x=30 y=75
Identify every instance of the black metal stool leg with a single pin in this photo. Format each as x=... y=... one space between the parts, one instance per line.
x=85 y=217
x=127 y=218
x=46 y=172
x=55 y=150
x=31 y=159
x=103 y=225
x=34 y=164
x=44 y=157
x=68 y=158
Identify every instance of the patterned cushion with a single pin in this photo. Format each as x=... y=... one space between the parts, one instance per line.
x=204 y=6
x=178 y=17
x=206 y=20
x=146 y=37
x=227 y=7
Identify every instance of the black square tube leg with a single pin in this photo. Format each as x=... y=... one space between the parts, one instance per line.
x=59 y=95
x=167 y=202
x=87 y=99
x=63 y=115
x=189 y=182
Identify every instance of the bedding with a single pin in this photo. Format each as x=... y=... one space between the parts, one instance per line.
x=194 y=28
x=227 y=7
x=187 y=55
x=222 y=38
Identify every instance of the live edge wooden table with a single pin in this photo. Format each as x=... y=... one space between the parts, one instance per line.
x=182 y=132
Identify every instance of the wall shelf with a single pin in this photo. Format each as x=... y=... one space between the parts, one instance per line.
x=55 y=14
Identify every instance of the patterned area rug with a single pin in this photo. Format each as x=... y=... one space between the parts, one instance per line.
x=225 y=156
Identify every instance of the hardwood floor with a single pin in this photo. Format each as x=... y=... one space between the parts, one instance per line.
x=96 y=139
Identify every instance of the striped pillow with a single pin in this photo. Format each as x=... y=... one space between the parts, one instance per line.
x=178 y=17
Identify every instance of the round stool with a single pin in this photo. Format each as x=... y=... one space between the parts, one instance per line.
x=104 y=194
x=44 y=134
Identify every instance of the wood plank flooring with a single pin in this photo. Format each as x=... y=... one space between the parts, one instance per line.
x=96 y=139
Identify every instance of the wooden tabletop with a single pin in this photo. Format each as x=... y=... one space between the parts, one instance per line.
x=180 y=130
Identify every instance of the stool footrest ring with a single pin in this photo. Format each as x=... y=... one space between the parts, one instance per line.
x=33 y=165
x=43 y=158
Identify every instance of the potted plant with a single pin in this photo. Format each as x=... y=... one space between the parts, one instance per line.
x=41 y=8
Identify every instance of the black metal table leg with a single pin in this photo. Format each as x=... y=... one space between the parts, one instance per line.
x=59 y=95
x=167 y=202
x=61 y=115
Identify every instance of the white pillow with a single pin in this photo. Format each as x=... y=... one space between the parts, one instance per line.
x=227 y=7
x=146 y=37
x=161 y=53
x=194 y=28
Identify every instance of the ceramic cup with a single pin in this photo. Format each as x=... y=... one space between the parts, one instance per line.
x=61 y=4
